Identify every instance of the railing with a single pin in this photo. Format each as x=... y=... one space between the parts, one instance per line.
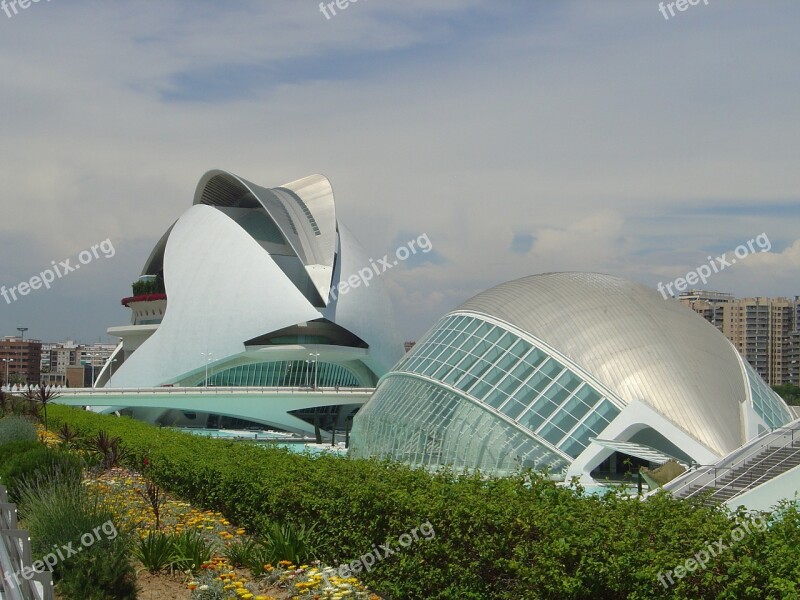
x=706 y=476
x=748 y=476
x=19 y=580
x=213 y=389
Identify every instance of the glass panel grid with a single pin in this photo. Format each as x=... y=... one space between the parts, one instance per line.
x=293 y=373
x=416 y=422
x=520 y=380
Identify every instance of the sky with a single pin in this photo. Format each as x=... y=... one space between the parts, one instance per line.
x=520 y=137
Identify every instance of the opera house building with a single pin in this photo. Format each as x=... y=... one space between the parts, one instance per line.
x=241 y=294
x=566 y=372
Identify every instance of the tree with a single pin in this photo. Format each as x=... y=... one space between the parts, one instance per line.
x=789 y=392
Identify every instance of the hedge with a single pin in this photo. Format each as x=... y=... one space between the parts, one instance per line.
x=506 y=538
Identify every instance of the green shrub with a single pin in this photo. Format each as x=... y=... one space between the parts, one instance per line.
x=287 y=542
x=156 y=551
x=239 y=552
x=58 y=512
x=37 y=462
x=17 y=429
x=7 y=451
x=192 y=550
x=148 y=286
x=505 y=538
x=249 y=553
x=18 y=406
x=258 y=557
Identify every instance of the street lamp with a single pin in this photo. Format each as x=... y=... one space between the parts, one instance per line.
x=315 y=355
x=207 y=356
x=308 y=373
x=8 y=360
x=91 y=356
x=22 y=331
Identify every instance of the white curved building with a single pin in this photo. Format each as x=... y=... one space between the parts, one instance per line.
x=569 y=372
x=241 y=292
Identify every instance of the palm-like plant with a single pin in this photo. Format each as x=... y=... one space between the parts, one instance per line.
x=41 y=395
x=110 y=448
x=67 y=435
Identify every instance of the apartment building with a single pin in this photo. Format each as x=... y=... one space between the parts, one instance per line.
x=20 y=360
x=60 y=358
x=766 y=331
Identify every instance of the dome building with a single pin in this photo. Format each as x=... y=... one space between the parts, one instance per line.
x=568 y=372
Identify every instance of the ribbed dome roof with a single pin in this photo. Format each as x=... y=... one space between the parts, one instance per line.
x=638 y=344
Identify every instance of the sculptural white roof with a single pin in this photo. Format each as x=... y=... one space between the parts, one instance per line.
x=245 y=262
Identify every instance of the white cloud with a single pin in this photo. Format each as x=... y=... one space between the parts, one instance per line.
x=597 y=127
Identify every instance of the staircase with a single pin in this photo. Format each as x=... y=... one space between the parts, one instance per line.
x=763 y=459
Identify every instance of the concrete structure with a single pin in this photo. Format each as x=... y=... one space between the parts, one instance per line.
x=567 y=372
x=238 y=292
x=766 y=331
x=276 y=407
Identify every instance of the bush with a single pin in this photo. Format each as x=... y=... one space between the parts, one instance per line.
x=514 y=537
x=7 y=451
x=156 y=551
x=37 y=462
x=239 y=552
x=60 y=511
x=17 y=429
x=193 y=550
x=18 y=406
x=250 y=554
x=287 y=542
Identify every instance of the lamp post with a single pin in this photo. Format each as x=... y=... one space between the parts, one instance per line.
x=22 y=331
x=7 y=361
x=207 y=356
x=91 y=362
x=315 y=355
x=308 y=373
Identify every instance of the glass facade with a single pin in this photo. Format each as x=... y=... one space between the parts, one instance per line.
x=425 y=425
x=495 y=372
x=765 y=402
x=289 y=373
